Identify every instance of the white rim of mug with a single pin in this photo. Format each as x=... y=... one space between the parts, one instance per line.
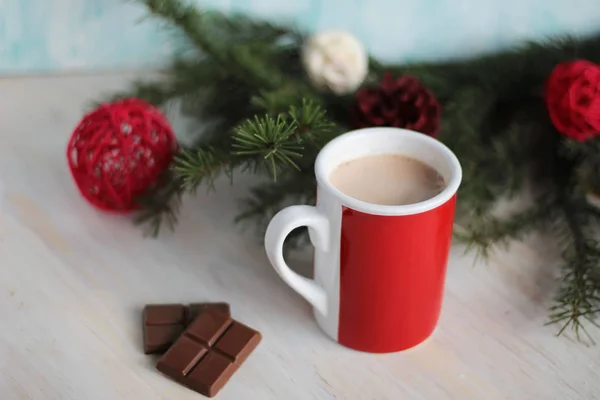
x=378 y=209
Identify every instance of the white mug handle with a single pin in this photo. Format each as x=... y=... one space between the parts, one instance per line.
x=280 y=226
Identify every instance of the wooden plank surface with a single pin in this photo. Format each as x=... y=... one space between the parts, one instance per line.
x=73 y=282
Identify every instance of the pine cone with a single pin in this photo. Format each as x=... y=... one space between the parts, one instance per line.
x=402 y=103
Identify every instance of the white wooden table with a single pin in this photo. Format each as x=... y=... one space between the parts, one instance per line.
x=73 y=282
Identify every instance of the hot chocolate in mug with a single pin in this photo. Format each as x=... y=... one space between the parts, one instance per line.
x=379 y=270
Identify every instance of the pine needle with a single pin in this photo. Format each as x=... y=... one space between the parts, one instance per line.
x=272 y=139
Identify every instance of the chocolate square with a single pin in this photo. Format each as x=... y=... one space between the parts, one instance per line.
x=209 y=352
x=163 y=323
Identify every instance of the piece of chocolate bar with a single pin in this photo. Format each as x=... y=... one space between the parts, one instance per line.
x=163 y=323
x=195 y=309
x=208 y=352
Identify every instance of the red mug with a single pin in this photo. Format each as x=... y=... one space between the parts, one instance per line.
x=379 y=270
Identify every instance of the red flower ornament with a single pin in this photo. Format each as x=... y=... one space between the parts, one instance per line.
x=573 y=99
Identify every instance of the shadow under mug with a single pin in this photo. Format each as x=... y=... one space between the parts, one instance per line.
x=379 y=271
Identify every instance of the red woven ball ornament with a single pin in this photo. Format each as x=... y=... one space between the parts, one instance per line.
x=573 y=99
x=118 y=151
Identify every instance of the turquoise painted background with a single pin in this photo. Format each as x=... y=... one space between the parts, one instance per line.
x=57 y=35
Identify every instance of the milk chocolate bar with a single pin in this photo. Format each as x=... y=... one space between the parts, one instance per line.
x=209 y=352
x=163 y=323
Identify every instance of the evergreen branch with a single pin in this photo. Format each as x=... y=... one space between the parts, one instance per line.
x=588 y=154
x=156 y=93
x=276 y=143
x=182 y=78
x=247 y=60
x=593 y=212
x=194 y=167
x=160 y=205
x=464 y=112
x=312 y=123
x=500 y=72
x=483 y=233
x=276 y=101
x=267 y=199
x=191 y=21
x=244 y=29
x=271 y=139
x=578 y=300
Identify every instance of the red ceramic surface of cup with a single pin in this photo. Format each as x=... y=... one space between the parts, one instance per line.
x=379 y=271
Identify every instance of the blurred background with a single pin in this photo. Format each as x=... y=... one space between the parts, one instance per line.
x=49 y=36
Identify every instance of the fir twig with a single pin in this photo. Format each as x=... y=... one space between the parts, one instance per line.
x=182 y=78
x=578 y=300
x=271 y=139
x=248 y=60
x=191 y=21
x=276 y=143
x=312 y=123
x=160 y=205
x=483 y=233
x=265 y=200
x=198 y=166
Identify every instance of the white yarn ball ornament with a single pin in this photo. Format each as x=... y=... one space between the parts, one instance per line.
x=335 y=60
